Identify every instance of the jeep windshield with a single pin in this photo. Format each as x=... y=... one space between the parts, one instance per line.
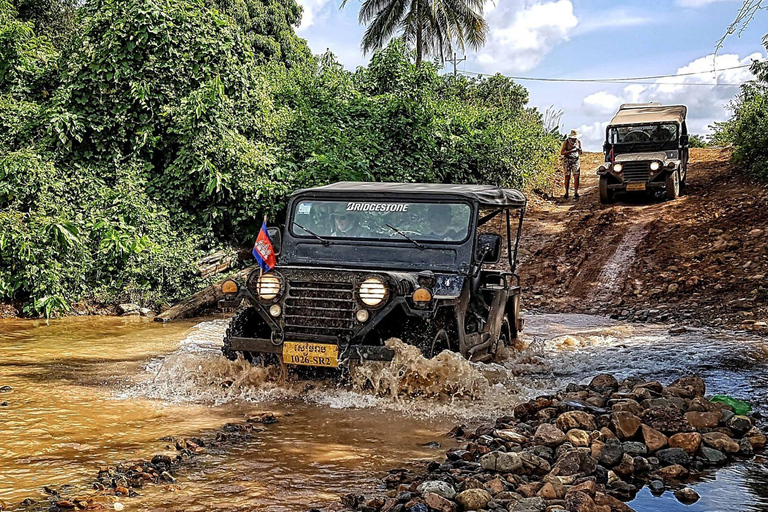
x=390 y=220
x=648 y=133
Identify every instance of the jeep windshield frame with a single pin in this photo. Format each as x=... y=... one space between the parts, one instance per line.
x=395 y=252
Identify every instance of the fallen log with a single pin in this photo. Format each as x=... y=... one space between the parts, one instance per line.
x=205 y=298
x=222 y=261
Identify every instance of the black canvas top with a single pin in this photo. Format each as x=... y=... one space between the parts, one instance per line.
x=484 y=194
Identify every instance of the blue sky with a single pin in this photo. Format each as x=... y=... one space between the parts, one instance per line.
x=589 y=39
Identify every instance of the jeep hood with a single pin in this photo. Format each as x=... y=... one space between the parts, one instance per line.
x=643 y=157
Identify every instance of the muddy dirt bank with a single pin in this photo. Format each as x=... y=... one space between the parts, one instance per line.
x=700 y=259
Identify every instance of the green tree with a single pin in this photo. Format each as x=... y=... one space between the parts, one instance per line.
x=431 y=27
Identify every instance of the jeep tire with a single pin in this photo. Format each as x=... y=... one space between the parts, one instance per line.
x=606 y=195
x=673 y=185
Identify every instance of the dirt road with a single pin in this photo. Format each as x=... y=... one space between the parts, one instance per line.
x=702 y=258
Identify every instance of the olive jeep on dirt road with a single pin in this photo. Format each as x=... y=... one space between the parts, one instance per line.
x=646 y=148
x=433 y=265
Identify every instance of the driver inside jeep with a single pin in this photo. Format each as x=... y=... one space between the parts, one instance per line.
x=347 y=224
x=440 y=218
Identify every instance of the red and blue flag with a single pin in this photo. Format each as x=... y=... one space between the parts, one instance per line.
x=263 y=250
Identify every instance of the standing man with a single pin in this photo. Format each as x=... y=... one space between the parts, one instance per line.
x=571 y=151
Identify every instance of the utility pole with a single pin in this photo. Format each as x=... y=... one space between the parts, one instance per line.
x=455 y=61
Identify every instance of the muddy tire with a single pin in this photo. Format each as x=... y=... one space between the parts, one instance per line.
x=606 y=195
x=673 y=185
x=246 y=323
x=505 y=337
x=513 y=321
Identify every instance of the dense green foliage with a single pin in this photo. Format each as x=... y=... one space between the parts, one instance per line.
x=747 y=129
x=158 y=130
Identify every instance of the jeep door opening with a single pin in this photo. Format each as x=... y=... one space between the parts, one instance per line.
x=359 y=263
x=646 y=148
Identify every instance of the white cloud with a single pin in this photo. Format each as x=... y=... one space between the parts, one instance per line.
x=592 y=135
x=706 y=102
x=522 y=32
x=312 y=10
x=611 y=19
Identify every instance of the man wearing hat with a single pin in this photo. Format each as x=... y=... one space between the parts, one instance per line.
x=571 y=150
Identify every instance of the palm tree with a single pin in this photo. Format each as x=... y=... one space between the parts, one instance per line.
x=432 y=27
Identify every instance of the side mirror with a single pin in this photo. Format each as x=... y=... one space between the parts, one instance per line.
x=684 y=140
x=488 y=248
x=277 y=239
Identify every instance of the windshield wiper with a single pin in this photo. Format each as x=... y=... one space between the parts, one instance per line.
x=323 y=240
x=414 y=242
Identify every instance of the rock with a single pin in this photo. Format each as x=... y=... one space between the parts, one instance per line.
x=162 y=460
x=627 y=405
x=529 y=490
x=578 y=437
x=634 y=448
x=5 y=389
x=665 y=419
x=689 y=386
x=654 y=439
x=756 y=439
x=549 y=435
x=576 y=419
x=579 y=502
x=588 y=486
x=576 y=462
x=739 y=424
x=675 y=472
x=166 y=476
x=625 y=467
x=711 y=456
x=533 y=464
x=438 y=487
x=552 y=490
x=745 y=448
x=702 y=420
x=501 y=462
x=473 y=499
x=532 y=504
x=654 y=386
x=128 y=309
x=605 y=434
x=720 y=441
x=610 y=453
x=688 y=441
x=604 y=381
x=686 y=495
x=656 y=487
x=437 y=502
x=673 y=456
x=625 y=424
x=146 y=312
x=613 y=504
x=510 y=436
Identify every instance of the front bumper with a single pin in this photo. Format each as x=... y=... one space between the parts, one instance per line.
x=348 y=352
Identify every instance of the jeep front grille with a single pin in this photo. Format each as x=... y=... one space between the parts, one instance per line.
x=636 y=171
x=319 y=308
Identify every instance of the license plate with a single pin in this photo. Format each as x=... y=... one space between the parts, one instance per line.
x=310 y=354
x=636 y=186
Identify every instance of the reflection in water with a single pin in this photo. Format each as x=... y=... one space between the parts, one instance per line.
x=92 y=392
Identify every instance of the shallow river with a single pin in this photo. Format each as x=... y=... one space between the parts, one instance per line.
x=92 y=392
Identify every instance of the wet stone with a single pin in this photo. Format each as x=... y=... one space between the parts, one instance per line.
x=668 y=420
x=604 y=381
x=656 y=487
x=438 y=487
x=654 y=439
x=533 y=504
x=739 y=424
x=720 y=441
x=578 y=437
x=688 y=441
x=576 y=462
x=686 y=495
x=439 y=503
x=712 y=456
x=549 y=435
x=702 y=420
x=634 y=448
x=610 y=453
x=576 y=419
x=690 y=386
x=501 y=462
x=579 y=502
x=625 y=424
x=673 y=456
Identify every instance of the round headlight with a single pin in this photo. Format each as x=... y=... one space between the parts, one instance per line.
x=372 y=291
x=268 y=286
x=618 y=167
x=655 y=166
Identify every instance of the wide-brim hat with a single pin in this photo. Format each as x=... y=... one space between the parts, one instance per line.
x=574 y=134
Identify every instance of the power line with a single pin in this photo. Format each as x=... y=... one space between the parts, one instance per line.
x=626 y=80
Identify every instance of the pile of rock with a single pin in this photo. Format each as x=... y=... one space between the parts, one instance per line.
x=589 y=448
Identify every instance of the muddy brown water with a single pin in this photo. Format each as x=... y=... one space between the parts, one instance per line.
x=91 y=392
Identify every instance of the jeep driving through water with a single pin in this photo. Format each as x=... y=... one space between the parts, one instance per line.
x=360 y=263
x=646 y=148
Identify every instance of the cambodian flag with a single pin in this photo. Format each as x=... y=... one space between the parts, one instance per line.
x=263 y=250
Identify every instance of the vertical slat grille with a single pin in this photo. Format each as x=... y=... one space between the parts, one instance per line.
x=636 y=171
x=324 y=308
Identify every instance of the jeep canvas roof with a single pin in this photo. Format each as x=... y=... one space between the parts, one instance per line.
x=486 y=195
x=639 y=113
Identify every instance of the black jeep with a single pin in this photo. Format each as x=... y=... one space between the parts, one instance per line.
x=646 y=148
x=359 y=263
